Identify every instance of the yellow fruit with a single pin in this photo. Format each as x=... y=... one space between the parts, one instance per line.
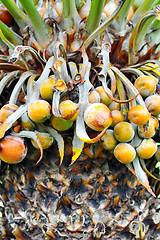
x=103 y=96
x=139 y=115
x=124 y=132
x=124 y=153
x=6 y=111
x=145 y=85
x=149 y=130
x=147 y=148
x=117 y=117
x=109 y=141
x=153 y=104
x=46 y=140
x=60 y=124
x=93 y=97
x=39 y=111
x=68 y=110
x=46 y=89
x=27 y=123
x=12 y=149
x=98 y=116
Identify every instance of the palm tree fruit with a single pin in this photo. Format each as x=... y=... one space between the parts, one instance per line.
x=146 y=85
x=68 y=110
x=82 y=183
x=152 y=103
x=117 y=117
x=26 y=123
x=46 y=89
x=147 y=148
x=39 y=111
x=150 y=130
x=103 y=96
x=6 y=111
x=108 y=140
x=97 y=116
x=124 y=153
x=12 y=149
x=94 y=97
x=60 y=124
x=124 y=132
x=46 y=140
x=139 y=115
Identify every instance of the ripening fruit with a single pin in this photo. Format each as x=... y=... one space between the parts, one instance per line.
x=39 y=111
x=46 y=88
x=103 y=96
x=139 y=115
x=93 y=97
x=124 y=153
x=5 y=16
x=153 y=104
x=117 y=117
x=46 y=140
x=124 y=132
x=27 y=123
x=157 y=154
x=98 y=116
x=60 y=124
x=145 y=85
x=12 y=149
x=6 y=111
x=114 y=106
x=109 y=141
x=147 y=148
x=149 y=130
x=68 y=110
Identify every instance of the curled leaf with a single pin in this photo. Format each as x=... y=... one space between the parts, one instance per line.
x=60 y=85
x=6 y=79
x=77 y=148
x=140 y=174
x=34 y=136
x=59 y=140
x=7 y=124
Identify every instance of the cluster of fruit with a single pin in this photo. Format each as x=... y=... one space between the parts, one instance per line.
x=126 y=136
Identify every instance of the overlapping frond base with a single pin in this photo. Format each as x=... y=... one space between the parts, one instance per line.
x=95 y=200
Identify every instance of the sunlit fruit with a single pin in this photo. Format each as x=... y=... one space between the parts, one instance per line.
x=147 y=148
x=124 y=132
x=68 y=110
x=98 y=116
x=12 y=149
x=124 y=153
x=103 y=96
x=60 y=124
x=153 y=104
x=27 y=123
x=46 y=140
x=117 y=117
x=157 y=154
x=108 y=139
x=5 y=16
x=139 y=115
x=6 y=111
x=149 y=130
x=46 y=89
x=93 y=97
x=39 y=111
x=114 y=106
x=145 y=85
